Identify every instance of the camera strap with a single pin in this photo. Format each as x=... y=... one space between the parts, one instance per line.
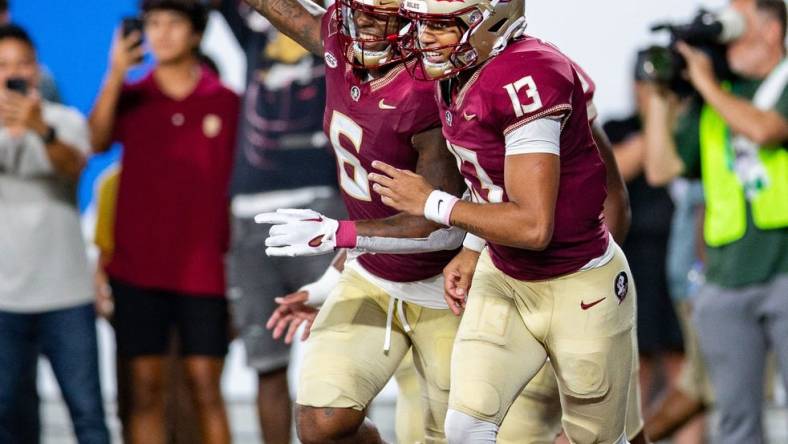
x=747 y=163
x=772 y=88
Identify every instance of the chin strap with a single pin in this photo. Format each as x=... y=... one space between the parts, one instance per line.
x=382 y=55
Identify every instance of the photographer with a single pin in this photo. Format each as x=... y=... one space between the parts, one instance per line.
x=733 y=138
x=45 y=287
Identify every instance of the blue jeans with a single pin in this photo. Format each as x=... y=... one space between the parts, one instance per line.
x=68 y=339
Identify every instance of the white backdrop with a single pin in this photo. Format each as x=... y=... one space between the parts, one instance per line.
x=602 y=36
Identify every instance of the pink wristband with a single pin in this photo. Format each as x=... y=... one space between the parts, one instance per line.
x=346 y=234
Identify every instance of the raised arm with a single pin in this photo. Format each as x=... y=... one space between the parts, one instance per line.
x=764 y=127
x=662 y=161
x=49 y=144
x=295 y=19
x=126 y=51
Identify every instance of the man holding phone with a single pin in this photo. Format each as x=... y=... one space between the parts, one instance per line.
x=46 y=299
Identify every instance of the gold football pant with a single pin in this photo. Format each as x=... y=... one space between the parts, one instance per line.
x=345 y=365
x=583 y=321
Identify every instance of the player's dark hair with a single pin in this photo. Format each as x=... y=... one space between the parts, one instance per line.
x=195 y=10
x=3 y=6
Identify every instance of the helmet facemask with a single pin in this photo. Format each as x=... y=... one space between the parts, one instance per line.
x=364 y=49
x=440 y=62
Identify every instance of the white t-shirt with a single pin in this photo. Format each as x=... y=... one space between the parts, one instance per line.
x=43 y=263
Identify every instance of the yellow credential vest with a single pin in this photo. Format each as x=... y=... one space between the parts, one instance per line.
x=726 y=207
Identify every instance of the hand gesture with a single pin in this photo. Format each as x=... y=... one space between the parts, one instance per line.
x=457 y=278
x=291 y=314
x=402 y=190
x=299 y=233
x=22 y=111
x=699 y=66
x=126 y=51
x=105 y=304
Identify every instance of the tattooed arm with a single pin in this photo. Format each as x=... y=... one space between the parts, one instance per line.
x=295 y=20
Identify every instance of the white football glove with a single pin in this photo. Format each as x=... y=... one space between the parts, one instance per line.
x=299 y=233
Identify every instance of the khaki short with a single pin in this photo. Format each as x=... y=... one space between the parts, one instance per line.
x=585 y=323
x=345 y=365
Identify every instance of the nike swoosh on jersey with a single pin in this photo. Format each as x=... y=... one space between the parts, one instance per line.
x=469 y=116
x=584 y=306
x=382 y=105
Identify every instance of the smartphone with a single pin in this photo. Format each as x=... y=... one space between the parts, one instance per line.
x=17 y=84
x=131 y=24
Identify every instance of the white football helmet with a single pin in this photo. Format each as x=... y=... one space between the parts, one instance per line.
x=486 y=25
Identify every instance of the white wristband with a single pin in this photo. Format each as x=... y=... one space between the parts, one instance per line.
x=438 y=207
x=473 y=242
x=321 y=288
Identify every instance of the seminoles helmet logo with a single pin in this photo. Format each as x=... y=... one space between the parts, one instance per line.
x=369 y=31
x=486 y=25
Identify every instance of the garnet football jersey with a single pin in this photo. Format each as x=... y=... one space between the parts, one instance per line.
x=589 y=89
x=376 y=120
x=530 y=80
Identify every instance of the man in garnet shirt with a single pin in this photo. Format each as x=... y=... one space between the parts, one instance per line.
x=177 y=126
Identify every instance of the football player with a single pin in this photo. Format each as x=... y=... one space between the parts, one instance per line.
x=551 y=281
x=535 y=417
x=384 y=304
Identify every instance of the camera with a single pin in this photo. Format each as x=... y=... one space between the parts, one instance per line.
x=710 y=32
x=18 y=85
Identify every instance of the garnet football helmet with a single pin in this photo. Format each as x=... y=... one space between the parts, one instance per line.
x=487 y=26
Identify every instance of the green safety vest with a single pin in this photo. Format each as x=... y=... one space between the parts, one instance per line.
x=726 y=206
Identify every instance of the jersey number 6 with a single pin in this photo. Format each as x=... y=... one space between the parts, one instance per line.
x=357 y=184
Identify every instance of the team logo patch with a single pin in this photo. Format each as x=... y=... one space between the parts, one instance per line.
x=621 y=286
x=211 y=125
x=448 y=118
x=355 y=93
x=331 y=61
x=476 y=16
